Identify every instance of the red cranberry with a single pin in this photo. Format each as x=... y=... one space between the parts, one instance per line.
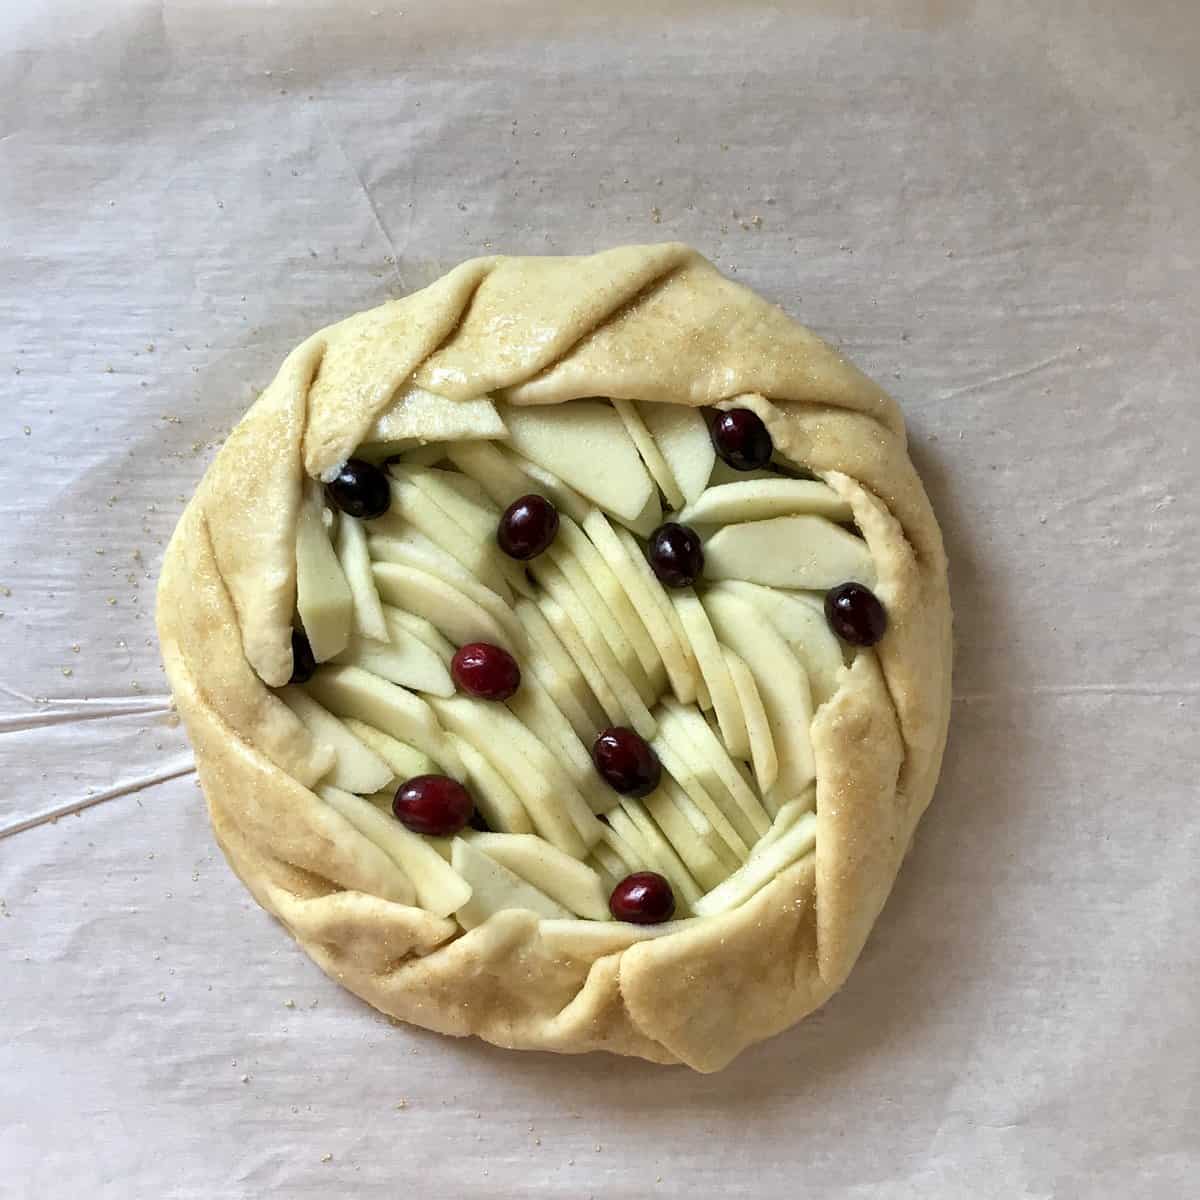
x=626 y=762
x=855 y=614
x=432 y=804
x=485 y=671
x=528 y=526
x=304 y=665
x=676 y=555
x=360 y=490
x=741 y=439
x=644 y=898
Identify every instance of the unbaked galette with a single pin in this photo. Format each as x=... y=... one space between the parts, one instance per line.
x=566 y=652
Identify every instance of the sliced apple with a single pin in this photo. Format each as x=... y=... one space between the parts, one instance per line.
x=557 y=810
x=661 y=848
x=500 y=805
x=564 y=629
x=452 y=611
x=600 y=656
x=656 y=464
x=681 y=435
x=573 y=540
x=405 y=660
x=782 y=684
x=694 y=728
x=406 y=761
x=544 y=482
x=705 y=867
x=649 y=518
x=417 y=413
x=495 y=472
x=585 y=444
x=757 y=872
x=559 y=673
x=412 y=451
x=412 y=549
x=356 y=567
x=712 y=666
x=785 y=818
x=801 y=619
x=649 y=609
x=655 y=854
x=323 y=597
x=457 y=495
x=365 y=819
x=564 y=879
x=353 y=692
x=683 y=773
x=400 y=622
x=494 y=888
x=760 y=499
x=607 y=861
x=789 y=552
x=356 y=768
x=729 y=860
x=758 y=728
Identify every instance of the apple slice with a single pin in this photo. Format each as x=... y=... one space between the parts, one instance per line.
x=649 y=518
x=704 y=866
x=372 y=826
x=550 y=661
x=585 y=444
x=417 y=413
x=494 y=888
x=695 y=729
x=405 y=660
x=785 y=818
x=564 y=879
x=723 y=473
x=356 y=768
x=801 y=620
x=728 y=859
x=789 y=552
x=759 y=499
x=757 y=872
x=649 y=609
x=600 y=654
x=566 y=499
x=534 y=708
x=558 y=811
x=439 y=889
x=653 y=850
x=356 y=567
x=500 y=805
x=412 y=451
x=353 y=692
x=400 y=623
x=456 y=614
x=658 y=467
x=413 y=507
x=782 y=684
x=323 y=597
x=716 y=674
x=758 y=728
x=564 y=630
x=681 y=435
x=406 y=761
x=413 y=549
x=684 y=774
x=571 y=539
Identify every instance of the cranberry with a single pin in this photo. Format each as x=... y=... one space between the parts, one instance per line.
x=676 y=555
x=855 y=614
x=432 y=804
x=485 y=671
x=360 y=490
x=528 y=526
x=741 y=439
x=626 y=762
x=644 y=898
x=303 y=662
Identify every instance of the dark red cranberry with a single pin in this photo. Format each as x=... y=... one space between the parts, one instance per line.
x=855 y=614
x=644 y=898
x=360 y=490
x=626 y=762
x=676 y=555
x=485 y=671
x=741 y=439
x=528 y=526
x=432 y=804
x=303 y=662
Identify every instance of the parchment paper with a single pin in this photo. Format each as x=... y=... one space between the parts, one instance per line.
x=994 y=208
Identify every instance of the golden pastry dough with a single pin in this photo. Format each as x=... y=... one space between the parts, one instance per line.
x=648 y=323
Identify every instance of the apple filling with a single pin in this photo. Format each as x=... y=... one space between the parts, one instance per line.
x=447 y=645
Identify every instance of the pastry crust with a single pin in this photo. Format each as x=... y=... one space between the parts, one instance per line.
x=647 y=323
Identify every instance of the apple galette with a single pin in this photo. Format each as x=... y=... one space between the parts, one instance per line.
x=566 y=652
